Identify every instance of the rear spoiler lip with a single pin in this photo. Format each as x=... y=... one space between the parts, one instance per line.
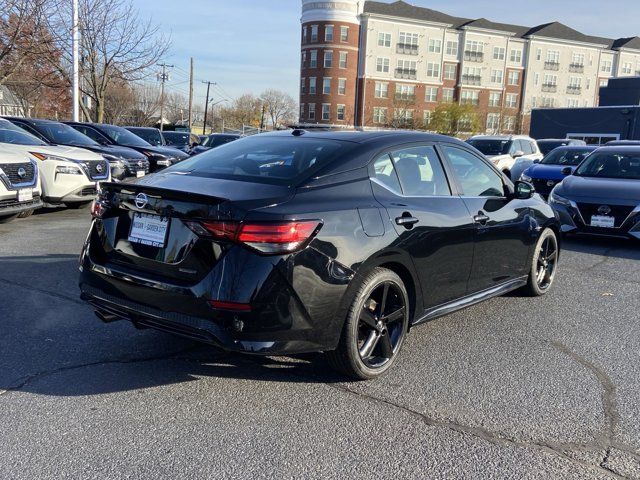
x=165 y=193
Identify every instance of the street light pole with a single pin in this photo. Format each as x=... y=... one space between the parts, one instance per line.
x=76 y=62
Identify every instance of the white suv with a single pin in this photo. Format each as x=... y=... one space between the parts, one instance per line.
x=19 y=185
x=505 y=150
x=69 y=175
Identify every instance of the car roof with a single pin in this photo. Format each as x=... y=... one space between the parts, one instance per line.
x=365 y=136
x=141 y=128
x=558 y=140
x=620 y=148
x=35 y=121
x=575 y=147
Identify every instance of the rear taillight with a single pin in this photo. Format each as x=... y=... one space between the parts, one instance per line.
x=270 y=238
x=98 y=208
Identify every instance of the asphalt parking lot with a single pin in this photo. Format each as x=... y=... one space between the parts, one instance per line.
x=512 y=388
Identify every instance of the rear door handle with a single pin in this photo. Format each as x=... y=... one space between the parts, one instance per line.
x=481 y=218
x=406 y=220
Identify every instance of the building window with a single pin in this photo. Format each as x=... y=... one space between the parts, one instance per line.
x=498 y=53
x=328 y=33
x=447 y=95
x=433 y=70
x=511 y=100
x=450 y=71
x=472 y=75
x=473 y=51
x=606 y=66
x=515 y=56
x=550 y=80
x=304 y=34
x=573 y=103
x=627 y=67
x=404 y=115
x=303 y=82
x=382 y=65
x=577 y=59
x=313 y=60
x=435 y=45
x=603 y=82
x=328 y=59
x=452 y=48
x=342 y=86
x=382 y=90
x=405 y=92
x=312 y=111
x=426 y=117
x=536 y=79
x=493 y=122
x=406 y=69
x=539 y=54
x=301 y=111
x=509 y=123
x=497 y=76
x=410 y=39
x=494 y=99
x=379 y=115
x=326 y=85
x=344 y=34
x=343 y=60
x=341 y=112
x=312 y=85
x=471 y=97
x=553 y=56
x=431 y=94
x=384 y=39
x=304 y=58
x=514 y=77
x=326 y=111
x=314 y=33
x=547 y=102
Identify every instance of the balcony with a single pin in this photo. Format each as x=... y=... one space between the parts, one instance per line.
x=406 y=73
x=407 y=49
x=471 y=79
x=405 y=97
x=472 y=56
x=574 y=89
x=576 y=68
x=549 y=87
x=555 y=66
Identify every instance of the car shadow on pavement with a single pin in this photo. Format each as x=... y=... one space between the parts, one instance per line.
x=51 y=343
x=607 y=246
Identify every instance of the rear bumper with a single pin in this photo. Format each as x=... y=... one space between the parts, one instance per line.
x=278 y=322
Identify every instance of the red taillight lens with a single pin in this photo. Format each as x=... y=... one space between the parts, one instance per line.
x=272 y=238
x=98 y=209
x=232 y=306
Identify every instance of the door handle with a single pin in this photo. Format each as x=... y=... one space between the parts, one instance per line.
x=406 y=220
x=481 y=218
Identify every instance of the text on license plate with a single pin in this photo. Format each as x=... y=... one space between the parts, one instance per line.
x=604 y=221
x=149 y=230
x=25 y=195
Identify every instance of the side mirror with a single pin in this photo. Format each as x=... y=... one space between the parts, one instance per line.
x=518 y=154
x=566 y=171
x=537 y=160
x=523 y=190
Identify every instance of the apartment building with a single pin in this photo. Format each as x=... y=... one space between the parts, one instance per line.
x=379 y=64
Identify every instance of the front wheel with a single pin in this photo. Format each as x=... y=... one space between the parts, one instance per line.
x=544 y=263
x=375 y=327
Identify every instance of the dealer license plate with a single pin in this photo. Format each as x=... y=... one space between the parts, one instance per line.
x=25 y=195
x=149 y=229
x=603 y=221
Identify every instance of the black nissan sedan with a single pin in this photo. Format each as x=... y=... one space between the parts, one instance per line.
x=602 y=197
x=302 y=241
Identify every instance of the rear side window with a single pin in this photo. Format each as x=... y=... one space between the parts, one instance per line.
x=476 y=178
x=420 y=172
x=268 y=159
x=384 y=172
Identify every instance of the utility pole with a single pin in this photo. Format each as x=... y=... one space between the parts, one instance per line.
x=163 y=77
x=206 y=106
x=76 y=62
x=190 y=116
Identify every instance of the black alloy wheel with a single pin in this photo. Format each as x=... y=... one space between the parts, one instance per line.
x=375 y=327
x=544 y=264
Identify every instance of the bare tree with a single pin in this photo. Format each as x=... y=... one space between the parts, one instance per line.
x=116 y=45
x=279 y=106
x=145 y=106
x=20 y=25
x=245 y=110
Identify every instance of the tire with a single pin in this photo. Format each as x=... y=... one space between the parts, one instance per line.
x=544 y=264
x=26 y=213
x=375 y=327
x=77 y=205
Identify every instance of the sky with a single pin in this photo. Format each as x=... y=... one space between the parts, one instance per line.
x=247 y=46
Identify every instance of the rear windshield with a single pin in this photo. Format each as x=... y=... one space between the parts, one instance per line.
x=10 y=133
x=213 y=141
x=276 y=160
x=546 y=146
x=567 y=157
x=611 y=165
x=122 y=136
x=177 y=138
x=492 y=147
x=64 y=135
